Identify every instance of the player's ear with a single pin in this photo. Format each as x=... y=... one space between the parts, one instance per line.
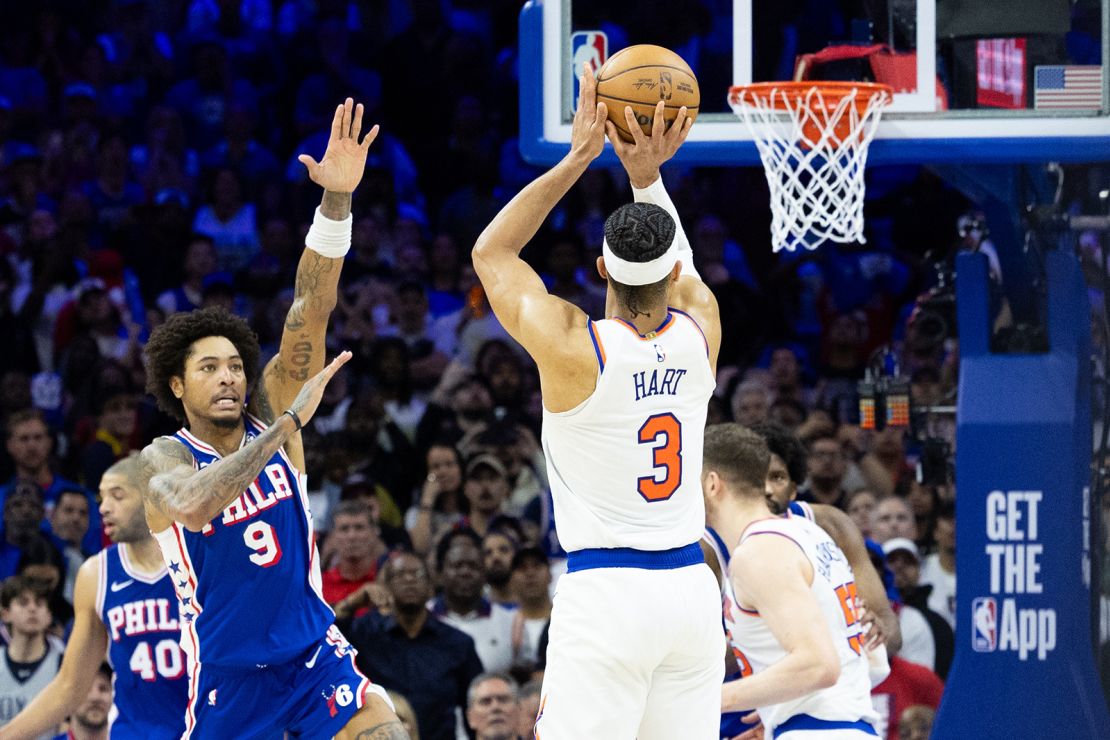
x=177 y=385
x=601 y=268
x=676 y=272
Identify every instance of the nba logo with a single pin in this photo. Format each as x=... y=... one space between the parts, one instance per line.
x=984 y=618
x=587 y=46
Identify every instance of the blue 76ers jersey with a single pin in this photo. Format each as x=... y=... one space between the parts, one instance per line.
x=140 y=614
x=249 y=582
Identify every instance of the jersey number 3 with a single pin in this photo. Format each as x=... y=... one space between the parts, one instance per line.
x=664 y=433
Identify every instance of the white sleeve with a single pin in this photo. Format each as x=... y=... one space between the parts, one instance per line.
x=657 y=195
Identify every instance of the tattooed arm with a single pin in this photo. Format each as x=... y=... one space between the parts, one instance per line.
x=315 y=291
x=177 y=491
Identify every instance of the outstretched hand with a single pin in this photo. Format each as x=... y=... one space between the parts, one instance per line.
x=587 y=132
x=643 y=157
x=306 y=402
x=340 y=171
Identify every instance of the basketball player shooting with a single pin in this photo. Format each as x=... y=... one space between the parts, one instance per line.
x=635 y=641
x=227 y=502
x=793 y=616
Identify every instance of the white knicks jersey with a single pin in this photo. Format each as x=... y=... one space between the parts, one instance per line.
x=625 y=464
x=834 y=587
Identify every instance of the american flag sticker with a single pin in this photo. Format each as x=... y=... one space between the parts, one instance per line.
x=1067 y=87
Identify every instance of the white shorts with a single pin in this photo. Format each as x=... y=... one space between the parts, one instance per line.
x=634 y=653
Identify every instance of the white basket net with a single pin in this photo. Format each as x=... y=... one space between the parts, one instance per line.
x=813 y=144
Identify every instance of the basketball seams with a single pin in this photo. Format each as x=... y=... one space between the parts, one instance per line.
x=689 y=73
x=646 y=105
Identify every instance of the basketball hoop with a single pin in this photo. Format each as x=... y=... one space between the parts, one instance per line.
x=814 y=158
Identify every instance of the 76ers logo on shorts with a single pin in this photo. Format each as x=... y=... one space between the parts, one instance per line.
x=587 y=46
x=984 y=621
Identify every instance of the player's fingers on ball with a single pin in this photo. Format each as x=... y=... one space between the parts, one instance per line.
x=633 y=125
x=658 y=125
x=614 y=137
x=601 y=115
x=679 y=123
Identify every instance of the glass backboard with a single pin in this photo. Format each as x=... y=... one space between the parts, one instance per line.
x=998 y=81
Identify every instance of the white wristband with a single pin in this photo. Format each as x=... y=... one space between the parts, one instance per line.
x=328 y=237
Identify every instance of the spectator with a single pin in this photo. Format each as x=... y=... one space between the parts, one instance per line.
x=924 y=500
x=90 y=720
x=525 y=466
x=486 y=490
x=916 y=722
x=200 y=262
x=827 y=467
x=411 y=322
x=884 y=466
x=23 y=514
x=392 y=371
x=531 y=582
x=785 y=367
x=907 y=685
x=383 y=512
x=412 y=652
x=939 y=569
x=69 y=524
x=44 y=565
x=893 y=517
x=529 y=708
x=229 y=221
x=933 y=645
x=205 y=99
x=462 y=605
x=380 y=452
x=359 y=550
x=492 y=707
x=115 y=433
x=31 y=660
x=440 y=503
x=751 y=401
x=498 y=550
x=30 y=445
x=860 y=505
x=461 y=409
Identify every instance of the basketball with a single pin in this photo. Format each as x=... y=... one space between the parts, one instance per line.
x=642 y=75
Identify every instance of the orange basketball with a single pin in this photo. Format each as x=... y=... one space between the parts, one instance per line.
x=642 y=75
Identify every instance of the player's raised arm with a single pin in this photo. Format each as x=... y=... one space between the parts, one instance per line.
x=517 y=295
x=87 y=646
x=642 y=159
x=770 y=575
x=315 y=291
x=178 y=491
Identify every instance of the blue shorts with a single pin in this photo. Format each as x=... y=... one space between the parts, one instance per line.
x=313 y=696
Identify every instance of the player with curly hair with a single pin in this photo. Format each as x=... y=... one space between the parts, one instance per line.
x=226 y=500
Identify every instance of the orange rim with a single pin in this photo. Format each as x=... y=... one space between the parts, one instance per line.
x=792 y=92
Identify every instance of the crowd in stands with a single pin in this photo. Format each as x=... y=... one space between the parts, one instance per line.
x=148 y=166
